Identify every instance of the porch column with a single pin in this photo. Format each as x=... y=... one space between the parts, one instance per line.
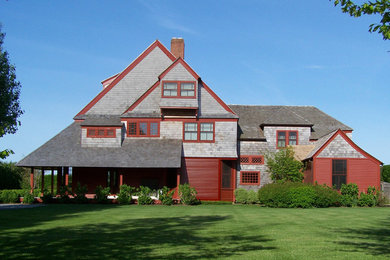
x=52 y=181
x=42 y=181
x=59 y=180
x=176 y=194
x=32 y=180
x=66 y=170
x=234 y=179
x=120 y=179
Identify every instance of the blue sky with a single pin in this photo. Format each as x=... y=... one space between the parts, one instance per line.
x=248 y=52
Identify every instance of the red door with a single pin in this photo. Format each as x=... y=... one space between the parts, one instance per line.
x=227 y=180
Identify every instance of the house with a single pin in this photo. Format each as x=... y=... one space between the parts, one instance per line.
x=157 y=123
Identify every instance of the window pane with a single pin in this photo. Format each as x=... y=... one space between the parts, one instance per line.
x=206 y=127
x=187 y=89
x=206 y=136
x=91 y=132
x=190 y=136
x=170 y=89
x=110 y=132
x=153 y=129
x=143 y=128
x=190 y=127
x=133 y=128
x=281 y=139
x=206 y=132
x=101 y=132
x=339 y=173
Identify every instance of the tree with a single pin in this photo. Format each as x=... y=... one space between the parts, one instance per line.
x=284 y=167
x=9 y=97
x=385 y=173
x=379 y=7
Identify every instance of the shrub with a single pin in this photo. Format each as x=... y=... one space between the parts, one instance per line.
x=28 y=198
x=10 y=196
x=65 y=192
x=187 y=194
x=125 y=194
x=252 y=197
x=48 y=197
x=10 y=175
x=80 y=194
x=326 y=196
x=241 y=195
x=385 y=173
x=101 y=194
x=144 y=196
x=366 y=200
x=350 y=195
x=297 y=195
x=165 y=196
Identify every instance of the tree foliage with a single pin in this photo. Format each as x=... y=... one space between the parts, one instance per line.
x=9 y=97
x=284 y=167
x=385 y=173
x=379 y=7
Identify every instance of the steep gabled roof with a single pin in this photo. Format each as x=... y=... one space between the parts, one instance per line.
x=156 y=44
x=252 y=117
x=185 y=65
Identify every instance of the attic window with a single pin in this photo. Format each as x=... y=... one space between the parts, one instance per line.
x=101 y=132
x=284 y=138
x=143 y=129
x=179 y=89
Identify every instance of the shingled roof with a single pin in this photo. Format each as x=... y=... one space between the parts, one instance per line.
x=65 y=150
x=252 y=117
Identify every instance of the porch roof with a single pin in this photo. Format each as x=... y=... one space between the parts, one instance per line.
x=65 y=150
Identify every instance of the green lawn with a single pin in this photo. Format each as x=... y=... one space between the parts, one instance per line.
x=185 y=232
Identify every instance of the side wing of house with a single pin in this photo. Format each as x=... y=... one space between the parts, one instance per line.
x=340 y=161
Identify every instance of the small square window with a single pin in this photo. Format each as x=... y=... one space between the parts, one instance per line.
x=132 y=128
x=110 y=132
x=153 y=129
x=91 y=132
x=191 y=131
x=143 y=129
x=250 y=178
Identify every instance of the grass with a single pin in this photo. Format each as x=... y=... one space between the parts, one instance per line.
x=185 y=232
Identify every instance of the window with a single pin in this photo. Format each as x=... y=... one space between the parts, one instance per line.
x=203 y=132
x=187 y=89
x=190 y=131
x=249 y=178
x=143 y=129
x=251 y=159
x=206 y=132
x=170 y=89
x=179 y=89
x=100 y=132
x=339 y=173
x=286 y=137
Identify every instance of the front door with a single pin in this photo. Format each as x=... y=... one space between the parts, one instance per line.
x=227 y=180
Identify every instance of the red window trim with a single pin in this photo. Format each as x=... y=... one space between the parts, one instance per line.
x=287 y=137
x=105 y=132
x=178 y=89
x=138 y=122
x=251 y=159
x=251 y=183
x=198 y=132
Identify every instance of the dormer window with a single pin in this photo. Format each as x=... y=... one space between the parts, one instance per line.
x=285 y=138
x=178 y=89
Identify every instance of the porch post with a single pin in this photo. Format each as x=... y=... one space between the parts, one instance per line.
x=52 y=181
x=32 y=180
x=66 y=176
x=120 y=179
x=42 y=180
x=234 y=179
x=59 y=179
x=176 y=194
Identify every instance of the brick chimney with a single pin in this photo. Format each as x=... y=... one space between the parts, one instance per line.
x=177 y=47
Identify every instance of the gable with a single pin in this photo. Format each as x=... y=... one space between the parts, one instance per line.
x=131 y=83
x=339 y=148
x=211 y=104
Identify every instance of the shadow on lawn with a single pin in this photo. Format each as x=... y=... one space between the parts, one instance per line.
x=142 y=238
x=30 y=217
x=374 y=241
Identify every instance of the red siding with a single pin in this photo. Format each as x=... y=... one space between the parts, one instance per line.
x=92 y=177
x=364 y=173
x=308 y=173
x=323 y=171
x=203 y=175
